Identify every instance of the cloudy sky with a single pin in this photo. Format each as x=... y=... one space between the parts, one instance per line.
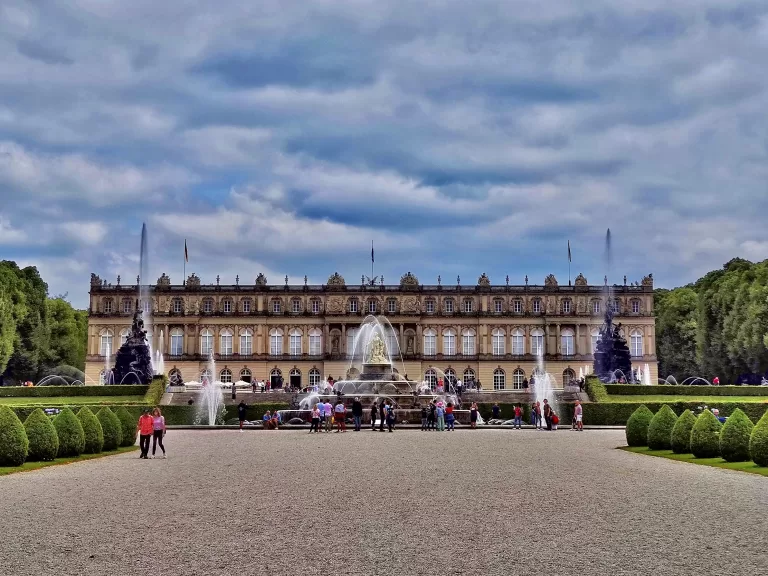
x=461 y=137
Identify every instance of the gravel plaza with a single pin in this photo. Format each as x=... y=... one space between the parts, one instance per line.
x=471 y=503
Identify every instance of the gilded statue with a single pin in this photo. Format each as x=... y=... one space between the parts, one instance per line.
x=377 y=353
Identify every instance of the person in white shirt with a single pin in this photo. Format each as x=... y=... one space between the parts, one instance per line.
x=577 y=413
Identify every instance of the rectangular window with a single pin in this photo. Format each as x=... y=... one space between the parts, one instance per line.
x=351 y=335
x=295 y=344
x=296 y=306
x=127 y=307
x=449 y=306
x=106 y=345
x=430 y=304
x=276 y=344
x=635 y=306
x=392 y=306
x=596 y=307
x=566 y=306
x=108 y=306
x=636 y=345
x=372 y=307
x=392 y=344
x=537 y=345
x=468 y=344
x=567 y=344
x=226 y=345
x=518 y=306
x=518 y=344
x=206 y=345
x=498 y=345
x=353 y=305
x=246 y=344
x=276 y=307
x=497 y=306
x=467 y=305
x=227 y=306
x=449 y=344
x=246 y=306
x=315 y=344
x=147 y=306
x=178 y=306
x=315 y=306
x=207 y=306
x=594 y=338
x=430 y=345
x=177 y=344
x=537 y=306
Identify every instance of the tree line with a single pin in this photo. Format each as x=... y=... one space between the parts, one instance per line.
x=38 y=333
x=717 y=326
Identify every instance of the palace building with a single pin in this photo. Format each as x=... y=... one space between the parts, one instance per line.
x=492 y=333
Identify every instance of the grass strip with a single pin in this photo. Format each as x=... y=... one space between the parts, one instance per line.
x=28 y=466
x=749 y=467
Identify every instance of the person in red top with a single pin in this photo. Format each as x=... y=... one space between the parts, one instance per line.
x=716 y=381
x=518 y=417
x=145 y=428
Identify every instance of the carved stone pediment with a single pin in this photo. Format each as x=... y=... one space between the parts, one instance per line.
x=193 y=281
x=648 y=280
x=550 y=281
x=408 y=279
x=483 y=280
x=164 y=280
x=336 y=279
x=95 y=280
x=581 y=280
x=261 y=280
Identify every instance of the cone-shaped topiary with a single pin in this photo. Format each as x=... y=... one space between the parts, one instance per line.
x=111 y=427
x=705 y=436
x=128 y=426
x=660 y=429
x=734 y=437
x=43 y=440
x=94 y=435
x=14 y=445
x=637 y=426
x=758 y=442
x=681 y=433
x=70 y=433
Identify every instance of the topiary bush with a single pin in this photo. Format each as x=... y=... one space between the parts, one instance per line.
x=660 y=429
x=637 y=426
x=681 y=433
x=705 y=436
x=94 y=435
x=70 y=433
x=758 y=442
x=111 y=427
x=14 y=445
x=128 y=426
x=734 y=437
x=43 y=440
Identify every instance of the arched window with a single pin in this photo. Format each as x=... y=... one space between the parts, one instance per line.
x=206 y=342
x=430 y=377
x=449 y=342
x=177 y=306
x=594 y=335
x=294 y=378
x=315 y=342
x=246 y=342
x=295 y=342
x=636 y=343
x=245 y=375
x=106 y=343
x=537 y=342
x=568 y=376
x=314 y=377
x=124 y=333
x=275 y=376
x=468 y=342
x=518 y=342
x=177 y=342
x=498 y=342
x=226 y=376
x=351 y=337
x=517 y=379
x=499 y=379
x=469 y=378
x=225 y=342
x=205 y=376
x=430 y=342
x=275 y=342
x=567 y=342
x=450 y=377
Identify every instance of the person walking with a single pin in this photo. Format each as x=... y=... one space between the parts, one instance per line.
x=533 y=415
x=382 y=416
x=473 y=414
x=577 y=414
x=495 y=410
x=390 y=417
x=440 y=413
x=374 y=409
x=145 y=428
x=234 y=391
x=315 y=423
x=328 y=409
x=158 y=431
x=518 y=417
x=539 y=425
x=548 y=415
x=241 y=408
x=424 y=418
x=357 y=413
x=432 y=416
x=340 y=417
x=449 y=418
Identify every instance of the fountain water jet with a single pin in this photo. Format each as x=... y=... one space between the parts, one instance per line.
x=211 y=396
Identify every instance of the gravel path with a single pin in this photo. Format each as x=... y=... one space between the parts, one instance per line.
x=471 y=502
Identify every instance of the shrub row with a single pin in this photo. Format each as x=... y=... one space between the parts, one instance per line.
x=738 y=440
x=156 y=390
x=595 y=389
x=617 y=413
x=635 y=389
x=55 y=391
x=68 y=434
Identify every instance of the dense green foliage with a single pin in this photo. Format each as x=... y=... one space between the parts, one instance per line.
x=57 y=391
x=37 y=333
x=70 y=433
x=111 y=427
x=127 y=425
x=660 y=429
x=14 y=445
x=680 y=440
x=595 y=389
x=705 y=436
x=666 y=390
x=43 y=440
x=94 y=435
x=734 y=437
x=758 y=442
x=157 y=389
x=637 y=426
x=676 y=331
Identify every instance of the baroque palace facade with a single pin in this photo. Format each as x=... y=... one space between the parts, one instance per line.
x=301 y=334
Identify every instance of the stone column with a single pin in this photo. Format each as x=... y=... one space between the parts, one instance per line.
x=439 y=337
x=343 y=343
x=557 y=341
x=400 y=342
x=418 y=346
x=577 y=349
x=286 y=340
x=326 y=338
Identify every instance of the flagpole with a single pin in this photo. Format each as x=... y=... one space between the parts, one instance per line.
x=184 y=276
x=372 y=260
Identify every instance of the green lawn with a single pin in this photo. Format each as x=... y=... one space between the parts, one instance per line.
x=617 y=398
x=26 y=467
x=55 y=401
x=750 y=467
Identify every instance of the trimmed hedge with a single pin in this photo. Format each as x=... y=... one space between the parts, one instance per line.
x=14 y=444
x=70 y=433
x=94 y=435
x=665 y=390
x=681 y=433
x=156 y=390
x=111 y=427
x=127 y=425
x=617 y=413
x=637 y=427
x=660 y=429
x=705 y=436
x=55 y=391
x=734 y=437
x=758 y=442
x=43 y=439
x=595 y=389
